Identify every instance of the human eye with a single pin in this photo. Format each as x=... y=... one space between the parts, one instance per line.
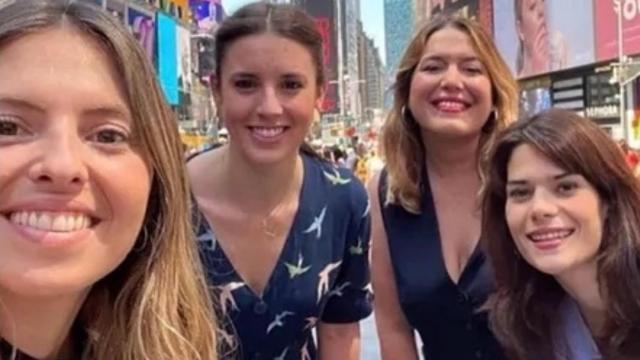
x=473 y=68
x=244 y=84
x=518 y=193
x=567 y=187
x=110 y=136
x=292 y=85
x=10 y=127
x=431 y=67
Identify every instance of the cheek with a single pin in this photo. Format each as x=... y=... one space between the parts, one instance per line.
x=515 y=217
x=128 y=194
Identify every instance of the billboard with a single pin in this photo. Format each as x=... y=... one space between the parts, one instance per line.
x=535 y=37
x=479 y=10
x=143 y=27
x=323 y=14
x=168 y=57
x=607 y=28
x=184 y=59
x=206 y=14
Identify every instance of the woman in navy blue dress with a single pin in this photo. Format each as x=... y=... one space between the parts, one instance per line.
x=452 y=93
x=284 y=234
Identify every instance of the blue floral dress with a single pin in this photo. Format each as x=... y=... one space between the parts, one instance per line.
x=322 y=273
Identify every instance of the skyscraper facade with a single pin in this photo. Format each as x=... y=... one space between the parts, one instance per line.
x=398 y=26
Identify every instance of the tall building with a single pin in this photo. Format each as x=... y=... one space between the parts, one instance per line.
x=398 y=26
x=373 y=72
x=352 y=80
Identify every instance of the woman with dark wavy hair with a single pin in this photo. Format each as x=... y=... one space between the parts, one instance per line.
x=561 y=223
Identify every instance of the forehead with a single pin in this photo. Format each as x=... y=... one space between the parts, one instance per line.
x=268 y=53
x=528 y=161
x=450 y=41
x=57 y=65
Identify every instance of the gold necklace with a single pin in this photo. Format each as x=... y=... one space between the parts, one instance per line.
x=269 y=223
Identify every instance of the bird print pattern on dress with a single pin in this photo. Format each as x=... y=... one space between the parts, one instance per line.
x=226 y=295
x=307 y=285
x=297 y=270
x=323 y=284
x=317 y=224
x=336 y=179
x=279 y=320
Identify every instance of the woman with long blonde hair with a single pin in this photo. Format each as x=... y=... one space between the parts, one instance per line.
x=453 y=92
x=97 y=256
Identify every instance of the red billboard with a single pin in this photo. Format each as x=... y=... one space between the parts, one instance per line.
x=606 y=34
x=323 y=14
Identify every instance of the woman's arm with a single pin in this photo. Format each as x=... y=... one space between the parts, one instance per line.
x=339 y=341
x=396 y=336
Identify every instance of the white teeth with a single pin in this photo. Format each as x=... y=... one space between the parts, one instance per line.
x=51 y=221
x=451 y=105
x=551 y=235
x=268 y=131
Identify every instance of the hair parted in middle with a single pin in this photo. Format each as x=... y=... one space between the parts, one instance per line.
x=523 y=307
x=283 y=20
x=156 y=303
x=401 y=143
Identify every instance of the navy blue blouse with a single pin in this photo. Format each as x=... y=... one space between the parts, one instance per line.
x=444 y=313
x=321 y=274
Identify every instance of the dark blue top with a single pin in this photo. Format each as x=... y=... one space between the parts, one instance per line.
x=444 y=314
x=322 y=272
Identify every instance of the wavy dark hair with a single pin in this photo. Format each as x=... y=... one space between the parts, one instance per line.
x=523 y=307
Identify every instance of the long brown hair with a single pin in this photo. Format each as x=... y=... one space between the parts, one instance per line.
x=401 y=144
x=283 y=20
x=155 y=305
x=523 y=307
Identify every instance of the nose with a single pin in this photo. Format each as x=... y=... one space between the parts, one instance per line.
x=452 y=78
x=269 y=102
x=60 y=166
x=543 y=207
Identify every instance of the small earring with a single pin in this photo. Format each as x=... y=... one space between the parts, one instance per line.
x=406 y=114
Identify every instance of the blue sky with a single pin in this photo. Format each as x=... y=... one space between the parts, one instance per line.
x=371 y=13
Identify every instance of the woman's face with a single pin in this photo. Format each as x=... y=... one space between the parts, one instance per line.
x=450 y=93
x=555 y=217
x=533 y=34
x=267 y=95
x=73 y=186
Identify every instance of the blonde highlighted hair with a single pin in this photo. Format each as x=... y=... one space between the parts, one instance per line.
x=156 y=304
x=401 y=143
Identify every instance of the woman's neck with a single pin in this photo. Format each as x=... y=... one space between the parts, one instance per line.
x=447 y=158
x=259 y=188
x=583 y=286
x=39 y=327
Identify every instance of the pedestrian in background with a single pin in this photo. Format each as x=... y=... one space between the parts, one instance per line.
x=97 y=257
x=284 y=233
x=561 y=225
x=453 y=92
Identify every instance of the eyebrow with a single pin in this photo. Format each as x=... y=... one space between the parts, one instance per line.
x=440 y=57
x=115 y=111
x=525 y=182
x=20 y=104
x=111 y=110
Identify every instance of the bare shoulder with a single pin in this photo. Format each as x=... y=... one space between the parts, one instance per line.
x=372 y=188
x=201 y=169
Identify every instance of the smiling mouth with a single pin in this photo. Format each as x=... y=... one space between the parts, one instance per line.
x=449 y=106
x=268 y=132
x=55 y=222
x=550 y=235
